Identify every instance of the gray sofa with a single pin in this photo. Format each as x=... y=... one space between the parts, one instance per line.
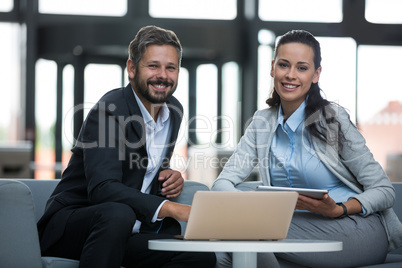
x=22 y=203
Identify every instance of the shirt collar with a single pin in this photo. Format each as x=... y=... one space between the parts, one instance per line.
x=163 y=115
x=295 y=119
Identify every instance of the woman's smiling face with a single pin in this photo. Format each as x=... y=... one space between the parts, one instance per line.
x=293 y=71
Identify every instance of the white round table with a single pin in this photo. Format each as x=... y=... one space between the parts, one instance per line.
x=245 y=252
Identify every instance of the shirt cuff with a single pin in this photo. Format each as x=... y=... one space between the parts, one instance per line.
x=364 y=211
x=155 y=217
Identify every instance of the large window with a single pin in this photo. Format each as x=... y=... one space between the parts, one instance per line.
x=207 y=118
x=45 y=111
x=182 y=95
x=358 y=77
x=84 y=7
x=338 y=75
x=379 y=105
x=193 y=9
x=207 y=106
x=10 y=77
x=264 y=78
x=384 y=11
x=179 y=158
x=99 y=79
x=304 y=11
x=231 y=104
x=6 y=5
x=68 y=114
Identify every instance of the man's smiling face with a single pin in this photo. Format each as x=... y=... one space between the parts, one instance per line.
x=156 y=78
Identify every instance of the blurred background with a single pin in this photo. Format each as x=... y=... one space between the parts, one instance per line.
x=58 y=57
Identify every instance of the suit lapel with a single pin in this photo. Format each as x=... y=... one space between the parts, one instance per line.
x=264 y=139
x=176 y=115
x=136 y=119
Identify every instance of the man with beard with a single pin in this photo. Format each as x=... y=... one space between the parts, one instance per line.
x=114 y=195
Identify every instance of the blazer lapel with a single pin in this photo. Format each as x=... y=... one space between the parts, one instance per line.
x=135 y=116
x=175 y=118
x=264 y=139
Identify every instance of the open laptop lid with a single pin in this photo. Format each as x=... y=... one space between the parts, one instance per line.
x=240 y=215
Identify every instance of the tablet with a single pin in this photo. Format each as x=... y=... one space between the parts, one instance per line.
x=313 y=193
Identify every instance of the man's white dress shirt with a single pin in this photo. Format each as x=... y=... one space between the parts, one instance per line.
x=157 y=136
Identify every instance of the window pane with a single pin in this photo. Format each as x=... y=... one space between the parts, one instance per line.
x=45 y=116
x=84 y=7
x=181 y=94
x=68 y=114
x=264 y=78
x=6 y=5
x=380 y=105
x=193 y=9
x=338 y=76
x=383 y=11
x=296 y=10
x=10 y=72
x=179 y=158
x=206 y=115
x=230 y=105
x=99 y=79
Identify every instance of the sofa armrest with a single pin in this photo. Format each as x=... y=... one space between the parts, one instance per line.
x=19 y=241
x=190 y=187
x=41 y=191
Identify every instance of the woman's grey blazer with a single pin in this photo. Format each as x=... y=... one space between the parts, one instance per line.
x=354 y=164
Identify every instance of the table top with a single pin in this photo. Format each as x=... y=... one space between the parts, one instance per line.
x=285 y=245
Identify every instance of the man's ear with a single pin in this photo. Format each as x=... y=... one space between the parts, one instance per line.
x=130 y=68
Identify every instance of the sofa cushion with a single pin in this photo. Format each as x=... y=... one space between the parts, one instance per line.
x=19 y=242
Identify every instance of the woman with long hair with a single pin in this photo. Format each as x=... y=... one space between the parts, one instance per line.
x=303 y=140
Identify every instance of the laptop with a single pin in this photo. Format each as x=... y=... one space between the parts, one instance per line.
x=247 y=215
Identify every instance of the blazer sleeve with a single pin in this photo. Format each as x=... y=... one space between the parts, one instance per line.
x=108 y=148
x=378 y=193
x=243 y=160
x=355 y=165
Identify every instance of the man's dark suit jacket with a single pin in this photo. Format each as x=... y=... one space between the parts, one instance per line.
x=108 y=164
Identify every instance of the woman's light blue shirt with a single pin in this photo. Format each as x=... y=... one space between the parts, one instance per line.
x=294 y=163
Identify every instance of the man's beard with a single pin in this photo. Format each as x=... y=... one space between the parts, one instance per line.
x=159 y=97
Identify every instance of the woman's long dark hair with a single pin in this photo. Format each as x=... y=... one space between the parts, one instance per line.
x=316 y=106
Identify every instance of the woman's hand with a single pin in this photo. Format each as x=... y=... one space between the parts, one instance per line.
x=327 y=206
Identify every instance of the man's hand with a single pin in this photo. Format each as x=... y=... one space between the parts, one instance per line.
x=174 y=210
x=171 y=183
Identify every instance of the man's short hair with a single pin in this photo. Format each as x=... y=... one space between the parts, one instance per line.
x=152 y=35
